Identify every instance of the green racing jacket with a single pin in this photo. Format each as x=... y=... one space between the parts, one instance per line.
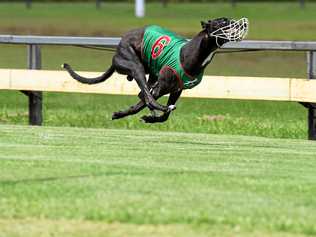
x=161 y=50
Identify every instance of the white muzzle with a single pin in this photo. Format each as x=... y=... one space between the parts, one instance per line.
x=235 y=31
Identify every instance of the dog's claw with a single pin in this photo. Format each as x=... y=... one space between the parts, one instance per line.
x=146 y=119
x=153 y=105
x=116 y=115
x=171 y=108
x=143 y=119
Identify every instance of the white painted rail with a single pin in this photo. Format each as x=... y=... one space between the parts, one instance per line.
x=244 y=88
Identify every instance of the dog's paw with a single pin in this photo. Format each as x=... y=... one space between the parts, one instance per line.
x=148 y=119
x=171 y=108
x=64 y=65
x=144 y=119
x=116 y=115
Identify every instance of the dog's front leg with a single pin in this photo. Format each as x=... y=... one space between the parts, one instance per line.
x=127 y=62
x=168 y=83
x=173 y=97
x=134 y=109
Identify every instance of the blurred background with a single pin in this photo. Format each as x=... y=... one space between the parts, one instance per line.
x=269 y=20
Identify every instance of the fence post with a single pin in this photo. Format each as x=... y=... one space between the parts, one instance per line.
x=139 y=8
x=302 y=3
x=311 y=68
x=98 y=4
x=28 y=4
x=35 y=97
x=233 y=2
x=164 y=3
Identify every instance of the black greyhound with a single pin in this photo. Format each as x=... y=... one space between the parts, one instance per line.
x=194 y=56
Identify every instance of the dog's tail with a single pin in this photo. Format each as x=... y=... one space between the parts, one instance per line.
x=86 y=80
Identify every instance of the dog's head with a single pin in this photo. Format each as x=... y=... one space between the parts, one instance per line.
x=225 y=30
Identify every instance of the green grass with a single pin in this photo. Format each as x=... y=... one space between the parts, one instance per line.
x=95 y=182
x=258 y=118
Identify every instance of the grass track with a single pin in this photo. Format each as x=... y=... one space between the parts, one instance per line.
x=181 y=184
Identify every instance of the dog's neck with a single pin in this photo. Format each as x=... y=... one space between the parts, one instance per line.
x=197 y=53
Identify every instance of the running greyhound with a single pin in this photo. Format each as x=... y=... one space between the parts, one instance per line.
x=172 y=62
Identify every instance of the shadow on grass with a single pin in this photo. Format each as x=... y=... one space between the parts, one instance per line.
x=50 y=179
x=137 y=173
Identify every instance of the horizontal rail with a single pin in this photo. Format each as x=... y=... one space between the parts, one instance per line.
x=59 y=40
x=245 y=88
x=272 y=45
x=113 y=42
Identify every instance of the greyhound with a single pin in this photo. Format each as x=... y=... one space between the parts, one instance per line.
x=172 y=62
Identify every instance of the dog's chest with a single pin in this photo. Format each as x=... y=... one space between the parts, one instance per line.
x=208 y=59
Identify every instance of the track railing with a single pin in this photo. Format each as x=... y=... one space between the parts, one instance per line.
x=34 y=62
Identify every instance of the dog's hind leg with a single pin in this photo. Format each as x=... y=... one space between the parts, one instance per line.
x=134 y=109
x=127 y=62
x=173 y=97
x=168 y=83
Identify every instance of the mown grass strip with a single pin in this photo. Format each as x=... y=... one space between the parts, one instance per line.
x=223 y=183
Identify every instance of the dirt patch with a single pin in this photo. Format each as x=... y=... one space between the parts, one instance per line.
x=212 y=118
